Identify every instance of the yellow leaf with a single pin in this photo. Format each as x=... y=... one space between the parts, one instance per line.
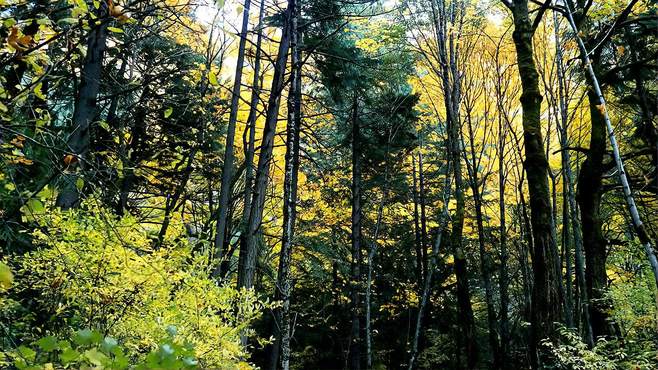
x=6 y=277
x=212 y=78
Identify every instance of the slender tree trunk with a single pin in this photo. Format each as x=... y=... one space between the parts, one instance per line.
x=445 y=20
x=85 y=109
x=485 y=258
x=251 y=120
x=427 y=285
x=570 y=217
x=503 y=281
x=248 y=248
x=417 y=239
x=229 y=155
x=601 y=107
x=371 y=257
x=355 y=283
x=284 y=278
x=423 y=214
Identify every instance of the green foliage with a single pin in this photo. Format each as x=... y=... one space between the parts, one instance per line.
x=92 y=269
x=572 y=353
x=90 y=349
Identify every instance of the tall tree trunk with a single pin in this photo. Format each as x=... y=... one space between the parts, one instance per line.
x=229 y=155
x=596 y=96
x=417 y=238
x=570 y=217
x=284 y=277
x=503 y=281
x=355 y=279
x=545 y=297
x=427 y=285
x=371 y=256
x=445 y=21
x=248 y=248
x=423 y=213
x=85 y=109
x=485 y=258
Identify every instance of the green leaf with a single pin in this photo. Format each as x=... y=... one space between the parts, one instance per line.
x=45 y=193
x=38 y=93
x=86 y=336
x=69 y=355
x=168 y=112
x=35 y=205
x=220 y=4
x=96 y=357
x=109 y=343
x=48 y=344
x=79 y=183
x=27 y=353
x=115 y=30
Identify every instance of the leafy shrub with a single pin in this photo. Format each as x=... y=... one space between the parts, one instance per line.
x=89 y=349
x=572 y=353
x=91 y=269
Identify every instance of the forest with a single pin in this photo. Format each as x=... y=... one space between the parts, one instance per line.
x=329 y=184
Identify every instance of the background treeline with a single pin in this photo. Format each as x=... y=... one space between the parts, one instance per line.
x=329 y=184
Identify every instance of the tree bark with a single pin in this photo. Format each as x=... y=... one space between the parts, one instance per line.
x=284 y=278
x=229 y=155
x=85 y=109
x=248 y=248
x=355 y=283
x=570 y=217
x=600 y=106
x=545 y=293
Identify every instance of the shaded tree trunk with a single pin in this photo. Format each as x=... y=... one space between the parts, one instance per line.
x=85 y=109
x=545 y=293
x=248 y=247
x=229 y=155
x=284 y=282
x=355 y=279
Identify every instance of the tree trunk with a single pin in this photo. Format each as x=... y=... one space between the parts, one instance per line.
x=248 y=249
x=284 y=278
x=417 y=239
x=545 y=297
x=423 y=214
x=85 y=110
x=450 y=77
x=570 y=217
x=596 y=97
x=485 y=259
x=503 y=281
x=443 y=220
x=229 y=155
x=355 y=283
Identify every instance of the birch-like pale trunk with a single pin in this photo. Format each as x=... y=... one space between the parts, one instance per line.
x=630 y=201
